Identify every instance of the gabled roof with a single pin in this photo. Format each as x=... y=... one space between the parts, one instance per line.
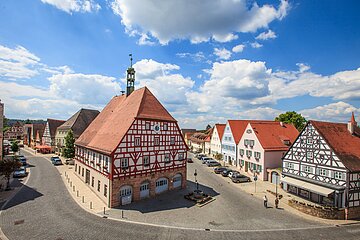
x=345 y=145
x=238 y=127
x=220 y=129
x=38 y=127
x=109 y=127
x=79 y=121
x=272 y=134
x=53 y=125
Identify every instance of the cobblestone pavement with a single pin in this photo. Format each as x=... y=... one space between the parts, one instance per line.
x=43 y=209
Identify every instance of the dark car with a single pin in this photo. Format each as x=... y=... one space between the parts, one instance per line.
x=56 y=160
x=239 y=178
x=212 y=163
x=20 y=172
x=189 y=160
x=22 y=160
x=226 y=172
x=69 y=161
x=219 y=170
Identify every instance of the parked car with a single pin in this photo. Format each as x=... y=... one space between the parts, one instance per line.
x=199 y=156
x=233 y=172
x=226 y=172
x=239 y=178
x=189 y=160
x=20 y=172
x=69 y=161
x=219 y=170
x=22 y=160
x=205 y=159
x=212 y=163
x=56 y=160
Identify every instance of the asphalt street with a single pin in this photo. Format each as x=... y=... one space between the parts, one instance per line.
x=43 y=209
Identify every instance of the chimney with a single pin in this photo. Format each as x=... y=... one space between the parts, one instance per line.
x=352 y=124
x=282 y=124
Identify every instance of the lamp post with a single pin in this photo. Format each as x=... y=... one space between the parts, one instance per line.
x=276 y=190
x=197 y=184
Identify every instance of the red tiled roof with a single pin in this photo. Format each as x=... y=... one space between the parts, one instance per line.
x=271 y=134
x=345 y=145
x=220 y=129
x=109 y=127
x=53 y=125
x=238 y=127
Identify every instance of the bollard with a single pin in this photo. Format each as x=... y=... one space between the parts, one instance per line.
x=77 y=193
x=90 y=205
x=70 y=183
x=83 y=200
x=74 y=188
x=104 y=211
x=122 y=213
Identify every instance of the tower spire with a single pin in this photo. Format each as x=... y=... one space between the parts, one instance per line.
x=130 y=78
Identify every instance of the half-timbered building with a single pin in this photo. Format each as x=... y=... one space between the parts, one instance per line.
x=132 y=150
x=323 y=165
x=48 y=138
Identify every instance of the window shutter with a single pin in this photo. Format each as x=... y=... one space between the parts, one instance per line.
x=259 y=168
x=343 y=176
x=286 y=164
x=332 y=174
x=317 y=171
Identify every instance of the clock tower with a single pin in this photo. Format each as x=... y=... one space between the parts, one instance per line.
x=130 y=78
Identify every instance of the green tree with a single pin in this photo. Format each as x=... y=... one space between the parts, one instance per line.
x=292 y=117
x=218 y=156
x=14 y=147
x=27 y=121
x=69 y=149
x=7 y=167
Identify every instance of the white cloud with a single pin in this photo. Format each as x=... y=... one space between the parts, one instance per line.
x=238 y=48
x=84 y=88
x=266 y=35
x=303 y=67
x=256 y=45
x=222 y=53
x=333 y=112
x=260 y=113
x=169 y=87
x=197 y=57
x=197 y=23
x=17 y=63
x=70 y=6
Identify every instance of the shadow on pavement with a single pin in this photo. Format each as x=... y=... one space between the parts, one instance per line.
x=25 y=194
x=169 y=200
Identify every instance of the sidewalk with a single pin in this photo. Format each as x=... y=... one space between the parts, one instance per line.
x=261 y=191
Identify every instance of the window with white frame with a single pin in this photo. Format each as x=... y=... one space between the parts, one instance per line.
x=146 y=161
x=241 y=152
x=309 y=141
x=147 y=126
x=257 y=155
x=338 y=175
x=248 y=153
x=156 y=141
x=124 y=162
x=181 y=156
x=307 y=169
x=137 y=141
x=252 y=143
x=167 y=158
x=290 y=165
x=165 y=126
x=323 y=172
x=172 y=140
x=246 y=142
x=310 y=155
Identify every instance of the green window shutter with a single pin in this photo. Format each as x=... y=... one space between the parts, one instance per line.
x=260 y=168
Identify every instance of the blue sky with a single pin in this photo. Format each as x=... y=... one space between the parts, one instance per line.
x=206 y=61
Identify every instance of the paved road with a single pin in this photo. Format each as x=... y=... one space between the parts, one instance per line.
x=43 y=209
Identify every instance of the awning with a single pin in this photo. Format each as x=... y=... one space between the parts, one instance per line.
x=308 y=186
x=43 y=147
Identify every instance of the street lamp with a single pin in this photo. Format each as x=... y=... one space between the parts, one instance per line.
x=197 y=184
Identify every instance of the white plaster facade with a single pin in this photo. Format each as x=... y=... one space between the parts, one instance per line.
x=229 y=147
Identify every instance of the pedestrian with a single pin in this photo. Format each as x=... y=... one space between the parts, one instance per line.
x=276 y=202
x=265 y=201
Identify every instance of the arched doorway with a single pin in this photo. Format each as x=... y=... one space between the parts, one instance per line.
x=162 y=185
x=177 y=180
x=125 y=194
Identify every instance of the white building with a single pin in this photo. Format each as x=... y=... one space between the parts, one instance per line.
x=262 y=145
x=215 y=142
x=323 y=166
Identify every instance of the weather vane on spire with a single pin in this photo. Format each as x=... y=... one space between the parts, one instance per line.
x=130 y=55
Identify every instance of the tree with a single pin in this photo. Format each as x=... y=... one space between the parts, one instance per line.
x=7 y=167
x=292 y=117
x=14 y=147
x=27 y=121
x=218 y=156
x=69 y=149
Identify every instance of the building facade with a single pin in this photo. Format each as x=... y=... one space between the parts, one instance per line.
x=48 y=137
x=1 y=129
x=76 y=123
x=216 y=137
x=323 y=166
x=16 y=132
x=134 y=149
x=262 y=146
